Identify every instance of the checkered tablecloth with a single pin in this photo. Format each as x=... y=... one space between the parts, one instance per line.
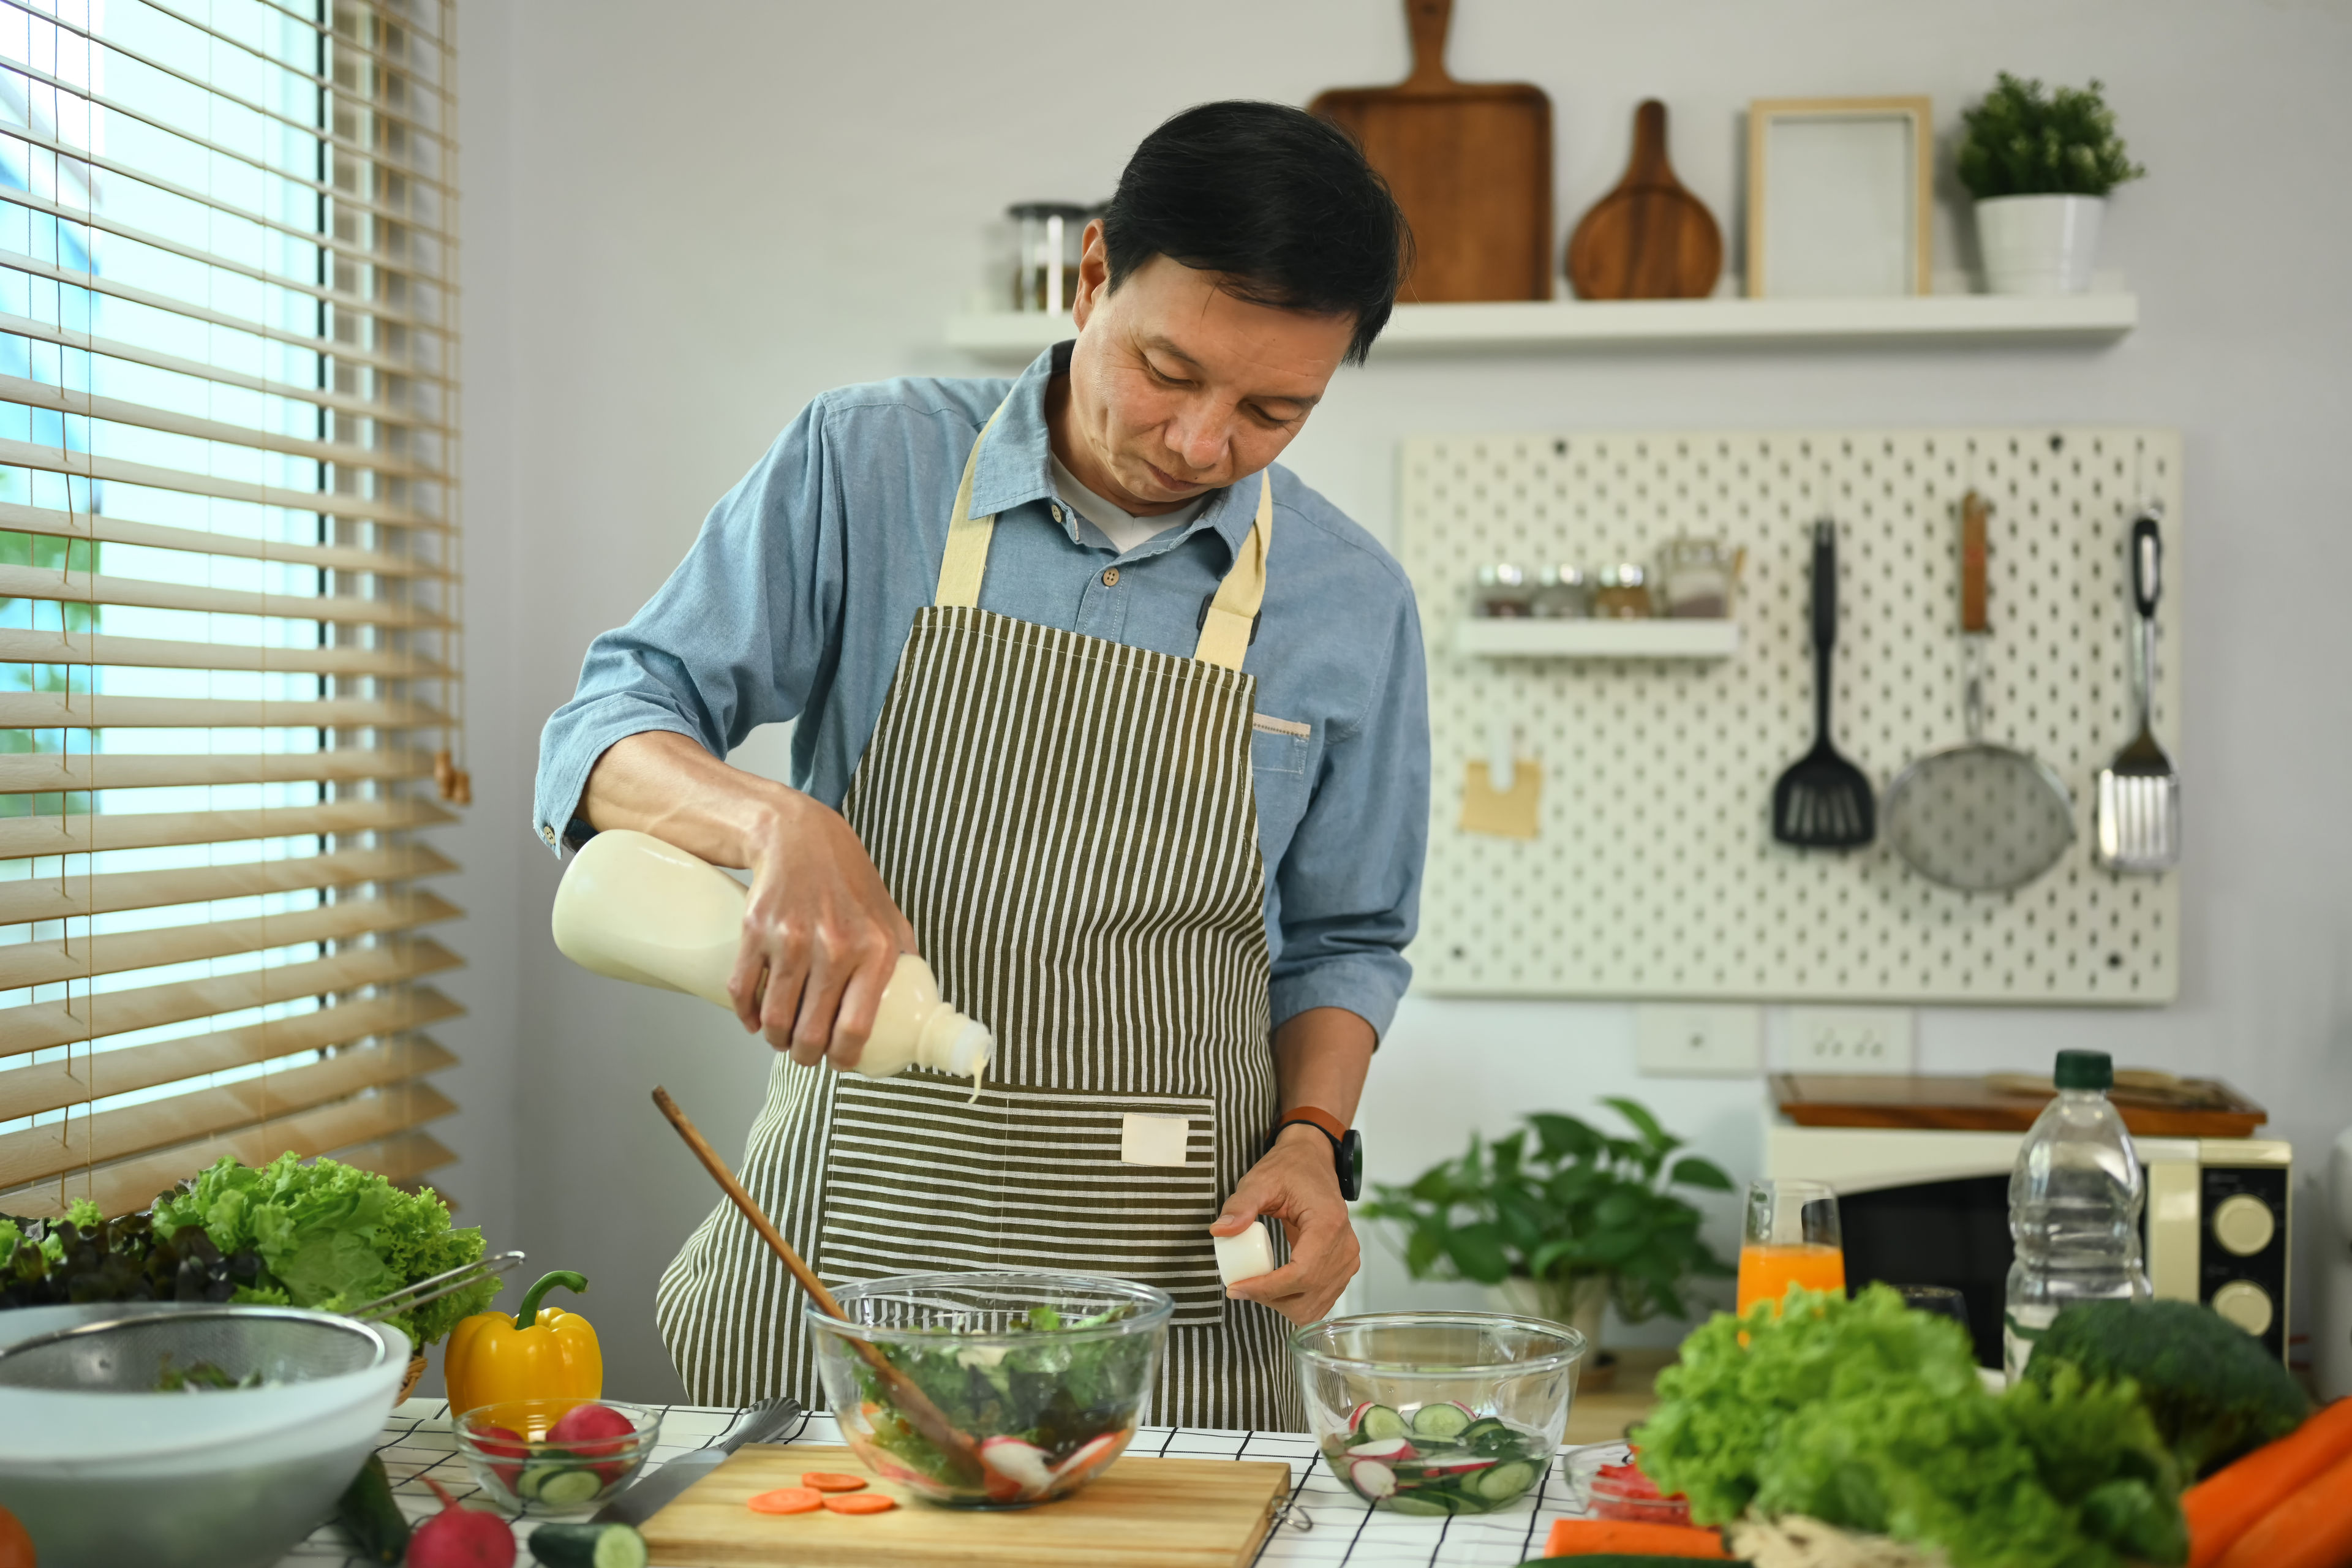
x=1327 y=1525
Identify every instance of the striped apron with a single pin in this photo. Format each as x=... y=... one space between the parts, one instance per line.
x=1069 y=826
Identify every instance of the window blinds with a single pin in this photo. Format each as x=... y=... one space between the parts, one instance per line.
x=228 y=586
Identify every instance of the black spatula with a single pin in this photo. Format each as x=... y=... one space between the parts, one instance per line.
x=1823 y=802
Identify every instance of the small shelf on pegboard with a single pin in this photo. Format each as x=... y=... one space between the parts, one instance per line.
x=1509 y=636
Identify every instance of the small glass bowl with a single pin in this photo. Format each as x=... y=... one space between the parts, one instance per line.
x=528 y=1473
x=1438 y=1413
x=1048 y=1410
x=1596 y=1482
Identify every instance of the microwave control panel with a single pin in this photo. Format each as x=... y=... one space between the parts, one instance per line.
x=2241 y=1255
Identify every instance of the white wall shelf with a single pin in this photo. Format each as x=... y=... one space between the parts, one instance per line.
x=1573 y=325
x=1513 y=638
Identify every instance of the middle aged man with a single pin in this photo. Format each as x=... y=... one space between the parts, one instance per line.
x=1119 y=724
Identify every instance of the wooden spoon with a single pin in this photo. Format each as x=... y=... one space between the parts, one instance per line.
x=1649 y=238
x=928 y=1418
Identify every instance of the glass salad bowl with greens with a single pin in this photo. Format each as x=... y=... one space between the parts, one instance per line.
x=1438 y=1413
x=1045 y=1373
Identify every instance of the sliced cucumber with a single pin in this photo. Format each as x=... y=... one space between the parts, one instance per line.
x=1417 y=1503
x=1378 y=1424
x=1504 y=1481
x=1485 y=1429
x=588 y=1546
x=558 y=1485
x=1442 y=1421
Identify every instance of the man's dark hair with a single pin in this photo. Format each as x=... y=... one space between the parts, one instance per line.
x=1279 y=202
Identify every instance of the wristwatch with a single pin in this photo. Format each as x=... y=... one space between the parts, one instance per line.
x=1346 y=1145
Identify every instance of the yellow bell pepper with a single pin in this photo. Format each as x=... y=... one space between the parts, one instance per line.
x=537 y=1353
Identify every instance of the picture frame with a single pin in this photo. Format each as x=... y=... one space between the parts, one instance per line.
x=1839 y=193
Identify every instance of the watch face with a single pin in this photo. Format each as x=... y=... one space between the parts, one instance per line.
x=1351 y=1166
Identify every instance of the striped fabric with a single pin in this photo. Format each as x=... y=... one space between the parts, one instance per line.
x=1068 y=824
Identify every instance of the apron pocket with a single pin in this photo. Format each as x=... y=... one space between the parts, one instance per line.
x=920 y=1178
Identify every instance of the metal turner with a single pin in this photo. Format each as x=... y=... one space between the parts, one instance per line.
x=1823 y=802
x=2140 y=791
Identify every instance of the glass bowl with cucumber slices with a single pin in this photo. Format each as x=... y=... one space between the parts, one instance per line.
x=1438 y=1413
x=555 y=1456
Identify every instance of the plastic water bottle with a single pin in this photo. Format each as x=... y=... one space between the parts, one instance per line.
x=2073 y=1207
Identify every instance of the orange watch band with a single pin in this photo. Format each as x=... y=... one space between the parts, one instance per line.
x=1315 y=1116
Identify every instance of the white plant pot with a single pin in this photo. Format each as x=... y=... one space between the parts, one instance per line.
x=1582 y=1310
x=2039 y=244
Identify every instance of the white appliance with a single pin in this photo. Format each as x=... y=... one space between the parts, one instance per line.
x=2333 y=1361
x=1923 y=1206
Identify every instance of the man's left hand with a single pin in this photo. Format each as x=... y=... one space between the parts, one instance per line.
x=1298 y=1183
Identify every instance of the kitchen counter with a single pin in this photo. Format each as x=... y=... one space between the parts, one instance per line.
x=1328 y=1526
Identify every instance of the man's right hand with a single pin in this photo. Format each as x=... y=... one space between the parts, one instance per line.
x=821 y=934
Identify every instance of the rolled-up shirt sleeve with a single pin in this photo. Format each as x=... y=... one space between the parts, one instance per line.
x=739 y=636
x=1350 y=884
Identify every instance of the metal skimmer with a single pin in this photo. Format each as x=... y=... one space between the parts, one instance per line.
x=2140 y=791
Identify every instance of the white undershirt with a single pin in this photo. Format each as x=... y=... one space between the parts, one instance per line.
x=1123 y=529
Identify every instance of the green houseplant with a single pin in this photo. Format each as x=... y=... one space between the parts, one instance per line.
x=1565 y=1214
x=2041 y=164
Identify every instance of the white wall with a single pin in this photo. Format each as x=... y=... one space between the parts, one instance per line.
x=682 y=221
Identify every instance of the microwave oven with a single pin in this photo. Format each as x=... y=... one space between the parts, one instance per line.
x=1927 y=1206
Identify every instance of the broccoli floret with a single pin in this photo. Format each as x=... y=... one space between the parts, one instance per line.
x=2215 y=1393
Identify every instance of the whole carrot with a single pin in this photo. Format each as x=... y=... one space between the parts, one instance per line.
x=2225 y=1505
x=2312 y=1529
x=1590 y=1537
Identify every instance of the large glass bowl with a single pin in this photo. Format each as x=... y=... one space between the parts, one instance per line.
x=1045 y=1373
x=1438 y=1413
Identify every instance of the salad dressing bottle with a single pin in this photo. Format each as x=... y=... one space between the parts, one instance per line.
x=637 y=909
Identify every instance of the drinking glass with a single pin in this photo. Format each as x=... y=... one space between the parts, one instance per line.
x=1791 y=1238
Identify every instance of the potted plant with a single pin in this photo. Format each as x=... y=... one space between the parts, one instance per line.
x=1561 y=1226
x=2040 y=166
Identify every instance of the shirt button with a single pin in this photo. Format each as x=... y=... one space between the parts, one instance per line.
x=1111 y=577
x=1057 y=514
x=548 y=834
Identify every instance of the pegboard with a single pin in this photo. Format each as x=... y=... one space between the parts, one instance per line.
x=1654 y=873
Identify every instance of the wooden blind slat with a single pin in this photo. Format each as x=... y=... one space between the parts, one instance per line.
x=48 y=962
x=54 y=524
x=90 y=588
x=331 y=504
x=100 y=710
x=130 y=1186
x=403 y=1159
x=156 y=653
x=145 y=416
x=44 y=774
x=85 y=833
x=49 y=899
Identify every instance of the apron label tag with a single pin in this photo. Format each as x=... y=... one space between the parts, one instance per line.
x=1146 y=1140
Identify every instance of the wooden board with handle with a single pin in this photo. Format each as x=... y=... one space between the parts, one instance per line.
x=1649 y=238
x=1470 y=162
x=1140 y=1513
x=2186 y=1107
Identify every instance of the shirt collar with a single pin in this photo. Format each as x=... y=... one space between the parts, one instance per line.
x=1014 y=468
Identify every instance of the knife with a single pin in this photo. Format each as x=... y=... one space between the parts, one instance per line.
x=754 y=1424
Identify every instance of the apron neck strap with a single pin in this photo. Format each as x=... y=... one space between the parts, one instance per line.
x=1232 y=616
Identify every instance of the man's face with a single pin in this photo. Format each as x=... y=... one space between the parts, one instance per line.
x=1177 y=387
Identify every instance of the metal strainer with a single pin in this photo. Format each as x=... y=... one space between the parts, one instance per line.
x=1980 y=817
x=131 y=1355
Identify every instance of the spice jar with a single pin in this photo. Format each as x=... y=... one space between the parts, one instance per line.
x=1562 y=594
x=1621 y=591
x=1503 y=591
x=1052 y=236
x=1696 y=577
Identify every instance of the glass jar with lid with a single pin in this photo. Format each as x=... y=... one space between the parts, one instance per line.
x=1621 y=591
x=1696 y=577
x=1503 y=591
x=1052 y=237
x=1562 y=594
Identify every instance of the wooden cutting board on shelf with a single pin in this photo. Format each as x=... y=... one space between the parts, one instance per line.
x=1470 y=162
x=1141 y=1513
x=1649 y=238
x=2154 y=1105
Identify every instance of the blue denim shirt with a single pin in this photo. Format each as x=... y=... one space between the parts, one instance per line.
x=797 y=597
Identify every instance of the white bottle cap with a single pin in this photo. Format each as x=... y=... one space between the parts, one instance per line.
x=970 y=1050
x=1245 y=1257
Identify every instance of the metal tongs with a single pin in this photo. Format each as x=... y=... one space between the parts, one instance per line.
x=446 y=1283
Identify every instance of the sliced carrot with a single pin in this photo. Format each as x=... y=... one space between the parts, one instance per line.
x=2225 y=1504
x=2312 y=1529
x=867 y=1502
x=787 y=1499
x=1593 y=1537
x=832 y=1482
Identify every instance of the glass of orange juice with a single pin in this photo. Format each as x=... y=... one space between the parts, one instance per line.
x=1791 y=1237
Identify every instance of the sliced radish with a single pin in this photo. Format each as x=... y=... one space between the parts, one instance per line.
x=1395 y=1449
x=1371 y=1477
x=1089 y=1456
x=1454 y=1467
x=1356 y=1417
x=1021 y=1464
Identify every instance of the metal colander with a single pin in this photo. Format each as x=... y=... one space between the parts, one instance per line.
x=131 y=1355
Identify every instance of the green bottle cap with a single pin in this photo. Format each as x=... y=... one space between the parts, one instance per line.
x=2086 y=1070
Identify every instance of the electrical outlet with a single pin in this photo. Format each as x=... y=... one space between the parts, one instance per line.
x=1699 y=1041
x=1850 y=1039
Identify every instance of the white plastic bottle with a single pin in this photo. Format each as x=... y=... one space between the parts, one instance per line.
x=635 y=907
x=2073 y=1207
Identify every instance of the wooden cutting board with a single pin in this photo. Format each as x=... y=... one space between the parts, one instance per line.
x=1140 y=1513
x=1470 y=162
x=1649 y=238
x=2195 y=1108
